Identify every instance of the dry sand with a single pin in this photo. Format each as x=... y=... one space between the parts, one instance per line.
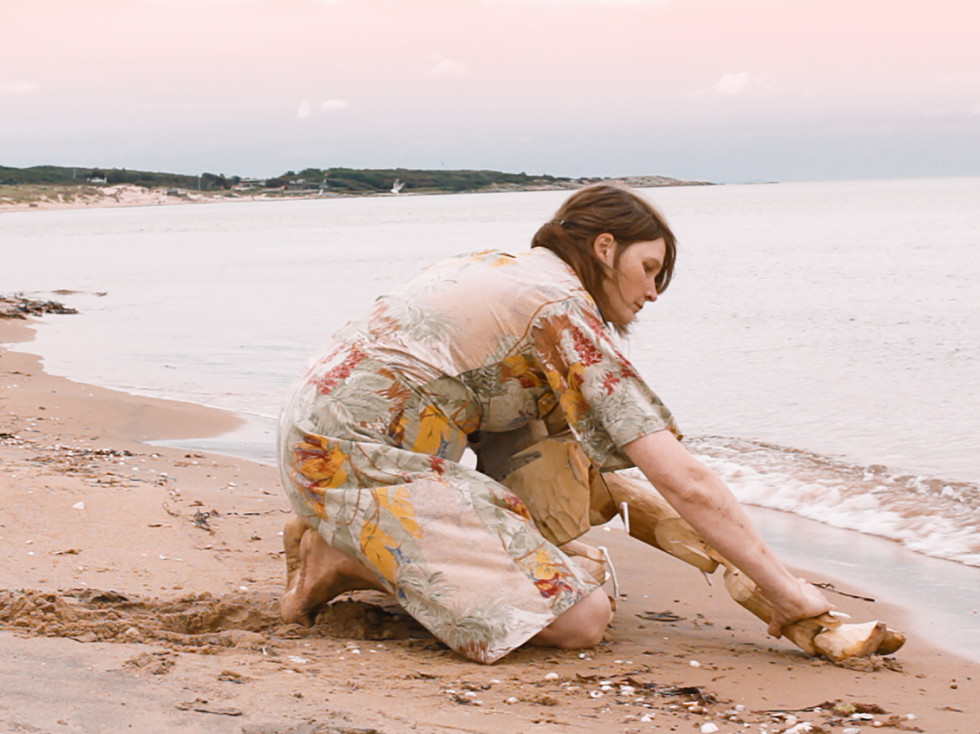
x=25 y=197
x=139 y=584
x=29 y=197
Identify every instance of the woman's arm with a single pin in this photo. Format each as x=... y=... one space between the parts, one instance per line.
x=704 y=500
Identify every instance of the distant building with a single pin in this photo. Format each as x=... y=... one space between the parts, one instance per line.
x=248 y=184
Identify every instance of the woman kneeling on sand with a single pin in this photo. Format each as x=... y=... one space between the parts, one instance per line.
x=497 y=351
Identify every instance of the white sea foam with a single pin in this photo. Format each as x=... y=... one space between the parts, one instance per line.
x=927 y=515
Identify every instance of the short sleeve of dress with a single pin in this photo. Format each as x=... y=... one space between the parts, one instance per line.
x=606 y=402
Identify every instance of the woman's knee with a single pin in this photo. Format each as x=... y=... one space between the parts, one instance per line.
x=596 y=616
x=583 y=625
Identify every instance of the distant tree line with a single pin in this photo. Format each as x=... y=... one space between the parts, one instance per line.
x=333 y=180
x=362 y=181
x=68 y=176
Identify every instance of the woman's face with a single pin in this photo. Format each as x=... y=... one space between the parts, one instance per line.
x=633 y=283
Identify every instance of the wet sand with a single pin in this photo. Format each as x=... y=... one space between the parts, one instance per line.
x=138 y=587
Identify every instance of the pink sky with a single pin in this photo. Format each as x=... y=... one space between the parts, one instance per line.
x=725 y=90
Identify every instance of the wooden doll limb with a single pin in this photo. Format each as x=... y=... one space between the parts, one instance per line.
x=654 y=521
x=566 y=495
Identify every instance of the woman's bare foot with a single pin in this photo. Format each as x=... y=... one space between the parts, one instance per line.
x=292 y=534
x=316 y=573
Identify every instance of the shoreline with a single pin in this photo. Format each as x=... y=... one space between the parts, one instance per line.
x=54 y=197
x=95 y=514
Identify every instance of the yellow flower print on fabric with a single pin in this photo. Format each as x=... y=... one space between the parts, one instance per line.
x=549 y=578
x=378 y=548
x=571 y=399
x=434 y=432
x=321 y=462
x=394 y=510
x=519 y=367
x=397 y=501
x=495 y=258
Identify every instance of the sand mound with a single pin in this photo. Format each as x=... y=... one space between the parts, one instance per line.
x=380 y=619
x=198 y=622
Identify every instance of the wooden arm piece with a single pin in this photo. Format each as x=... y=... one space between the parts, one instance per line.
x=655 y=522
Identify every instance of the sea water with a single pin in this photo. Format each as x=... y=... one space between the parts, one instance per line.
x=819 y=344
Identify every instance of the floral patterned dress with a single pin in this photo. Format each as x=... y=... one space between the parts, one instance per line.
x=371 y=439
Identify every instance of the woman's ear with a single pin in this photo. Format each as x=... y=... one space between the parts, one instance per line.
x=604 y=247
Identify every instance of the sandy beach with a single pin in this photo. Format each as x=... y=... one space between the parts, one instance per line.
x=46 y=197
x=139 y=588
x=59 y=196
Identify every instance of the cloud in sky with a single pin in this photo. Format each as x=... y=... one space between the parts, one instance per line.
x=20 y=87
x=732 y=83
x=306 y=108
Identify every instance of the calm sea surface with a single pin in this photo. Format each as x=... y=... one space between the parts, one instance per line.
x=820 y=343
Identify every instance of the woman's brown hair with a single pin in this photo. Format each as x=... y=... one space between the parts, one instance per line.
x=589 y=212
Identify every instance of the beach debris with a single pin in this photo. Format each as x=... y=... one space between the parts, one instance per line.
x=230 y=676
x=826 y=586
x=801 y=728
x=841 y=713
x=78 y=506
x=202 y=706
x=20 y=307
x=201 y=520
x=667 y=616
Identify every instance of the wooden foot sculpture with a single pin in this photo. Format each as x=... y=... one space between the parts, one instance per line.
x=655 y=522
x=566 y=495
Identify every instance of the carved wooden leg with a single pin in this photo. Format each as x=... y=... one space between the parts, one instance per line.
x=654 y=521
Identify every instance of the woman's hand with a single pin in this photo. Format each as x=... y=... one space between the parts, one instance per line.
x=809 y=602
